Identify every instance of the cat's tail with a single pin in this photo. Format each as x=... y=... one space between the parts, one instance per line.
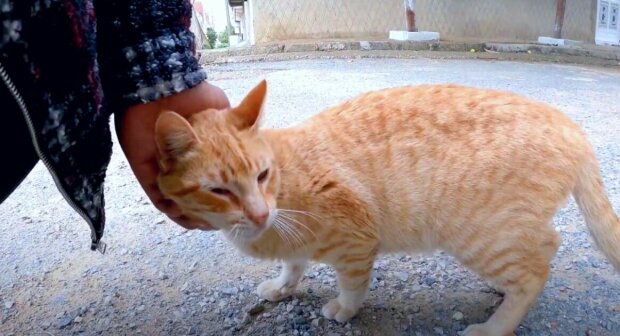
x=602 y=222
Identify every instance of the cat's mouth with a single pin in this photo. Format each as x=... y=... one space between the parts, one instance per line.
x=244 y=232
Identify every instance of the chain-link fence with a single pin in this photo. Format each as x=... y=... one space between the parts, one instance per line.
x=491 y=20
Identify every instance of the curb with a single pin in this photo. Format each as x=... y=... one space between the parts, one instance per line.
x=608 y=56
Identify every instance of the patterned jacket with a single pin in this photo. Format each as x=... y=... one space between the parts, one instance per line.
x=69 y=64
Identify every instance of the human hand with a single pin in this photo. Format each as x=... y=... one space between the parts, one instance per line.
x=136 y=133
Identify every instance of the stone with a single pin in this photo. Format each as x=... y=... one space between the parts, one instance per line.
x=280 y=319
x=401 y=35
x=429 y=281
x=365 y=45
x=318 y=322
x=558 y=41
x=402 y=276
x=231 y=290
x=64 y=322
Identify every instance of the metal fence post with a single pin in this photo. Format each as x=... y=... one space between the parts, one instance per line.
x=410 y=12
x=559 y=18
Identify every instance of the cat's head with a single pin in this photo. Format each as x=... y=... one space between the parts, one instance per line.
x=219 y=168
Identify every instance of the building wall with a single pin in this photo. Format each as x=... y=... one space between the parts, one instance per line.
x=493 y=20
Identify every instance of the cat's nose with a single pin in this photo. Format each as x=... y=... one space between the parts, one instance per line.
x=259 y=219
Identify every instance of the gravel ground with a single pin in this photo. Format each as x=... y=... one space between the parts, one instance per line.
x=159 y=279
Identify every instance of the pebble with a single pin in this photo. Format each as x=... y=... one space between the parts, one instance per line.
x=77 y=319
x=64 y=322
x=402 y=276
x=8 y=304
x=457 y=316
x=318 y=322
x=162 y=276
x=178 y=315
x=429 y=281
x=232 y=290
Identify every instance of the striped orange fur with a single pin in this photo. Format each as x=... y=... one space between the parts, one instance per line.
x=476 y=173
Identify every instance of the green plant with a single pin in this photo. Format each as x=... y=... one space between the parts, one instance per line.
x=224 y=38
x=212 y=37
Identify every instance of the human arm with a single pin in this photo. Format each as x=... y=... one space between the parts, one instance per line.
x=146 y=54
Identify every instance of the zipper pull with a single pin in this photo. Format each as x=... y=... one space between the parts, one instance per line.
x=99 y=246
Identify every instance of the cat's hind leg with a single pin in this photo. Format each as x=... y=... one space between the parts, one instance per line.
x=522 y=272
x=284 y=285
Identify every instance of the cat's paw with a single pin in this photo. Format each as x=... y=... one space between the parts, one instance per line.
x=334 y=311
x=272 y=290
x=475 y=330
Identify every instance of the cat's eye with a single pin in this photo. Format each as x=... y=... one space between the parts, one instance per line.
x=220 y=191
x=263 y=176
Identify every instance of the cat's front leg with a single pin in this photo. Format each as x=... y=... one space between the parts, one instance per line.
x=353 y=280
x=284 y=285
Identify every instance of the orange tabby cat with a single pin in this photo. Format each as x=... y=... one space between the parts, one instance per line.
x=476 y=173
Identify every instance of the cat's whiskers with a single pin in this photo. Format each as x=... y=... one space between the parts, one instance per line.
x=293 y=228
x=292 y=232
x=296 y=239
x=317 y=218
x=286 y=233
x=286 y=217
x=277 y=229
x=235 y=231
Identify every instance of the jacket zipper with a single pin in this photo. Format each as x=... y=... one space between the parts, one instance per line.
x=95 y=245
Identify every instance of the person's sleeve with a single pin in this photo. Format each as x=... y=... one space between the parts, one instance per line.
x=145 y=50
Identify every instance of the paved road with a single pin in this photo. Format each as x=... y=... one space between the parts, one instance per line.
x=158 y=279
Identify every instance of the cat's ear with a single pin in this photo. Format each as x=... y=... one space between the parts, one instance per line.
x=174 y=137
x=247 y=115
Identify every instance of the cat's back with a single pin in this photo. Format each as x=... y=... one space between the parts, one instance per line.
x=441 y=114
x=438 y=105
